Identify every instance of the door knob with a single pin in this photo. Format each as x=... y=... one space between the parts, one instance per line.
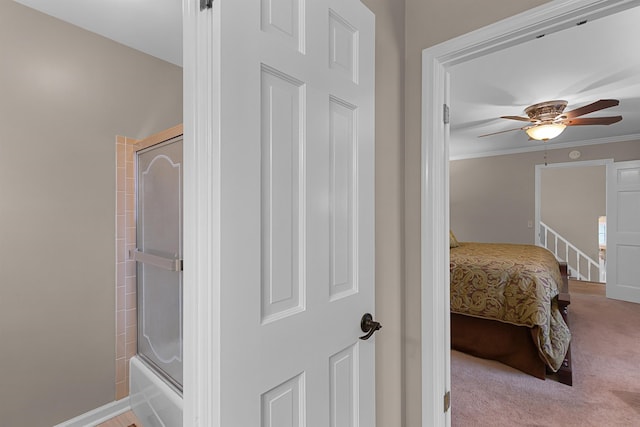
x=368 y=325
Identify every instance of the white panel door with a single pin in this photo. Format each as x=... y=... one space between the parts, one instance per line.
x=296 y=219
x=623 y=231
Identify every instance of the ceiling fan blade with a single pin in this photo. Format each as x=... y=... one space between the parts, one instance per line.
x=522 y=119
x=496 y=133
x=595 y=106
x=592 y=121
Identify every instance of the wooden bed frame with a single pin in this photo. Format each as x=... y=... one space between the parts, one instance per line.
x=510 y=344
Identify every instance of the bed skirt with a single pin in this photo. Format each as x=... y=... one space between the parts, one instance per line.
x=490 y=339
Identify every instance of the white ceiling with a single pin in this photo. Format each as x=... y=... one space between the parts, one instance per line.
x=597 y=60
x=151 y=26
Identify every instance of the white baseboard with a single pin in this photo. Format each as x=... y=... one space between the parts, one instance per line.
x=98 y=415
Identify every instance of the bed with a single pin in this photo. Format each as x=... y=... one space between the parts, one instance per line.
x=509 y=303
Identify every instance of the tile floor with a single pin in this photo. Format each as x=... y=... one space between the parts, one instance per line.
x=128 y=419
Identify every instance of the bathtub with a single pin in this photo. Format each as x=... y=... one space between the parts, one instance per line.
x=154 y=401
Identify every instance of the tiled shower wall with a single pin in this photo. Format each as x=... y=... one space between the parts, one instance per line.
x=126 y=316
x=126 y=319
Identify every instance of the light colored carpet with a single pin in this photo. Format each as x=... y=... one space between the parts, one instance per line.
x=606 y=377
x=588 y=288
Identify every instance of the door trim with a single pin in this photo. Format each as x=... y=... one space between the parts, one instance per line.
x=201 y=228
x=547 y=18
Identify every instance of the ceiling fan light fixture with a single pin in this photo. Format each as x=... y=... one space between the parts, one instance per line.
x=545 y=132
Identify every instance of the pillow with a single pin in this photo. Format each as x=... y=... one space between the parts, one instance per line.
x=453 y=242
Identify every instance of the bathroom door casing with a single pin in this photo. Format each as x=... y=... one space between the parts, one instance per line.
x=159 y=256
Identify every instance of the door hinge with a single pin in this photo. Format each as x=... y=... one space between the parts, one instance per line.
x=206 y=4
x=447 y=401
x=445 y=114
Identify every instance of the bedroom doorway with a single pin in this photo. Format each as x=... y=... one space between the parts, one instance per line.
x=434 y=206
x=592 y=257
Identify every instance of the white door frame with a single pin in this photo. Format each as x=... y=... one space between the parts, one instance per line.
x=538 y=185
x=548 y=18
x=201 y=191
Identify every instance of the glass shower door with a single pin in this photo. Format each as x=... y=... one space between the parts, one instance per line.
x=159 y=256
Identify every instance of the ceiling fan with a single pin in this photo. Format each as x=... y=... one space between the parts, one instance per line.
x=549 y=120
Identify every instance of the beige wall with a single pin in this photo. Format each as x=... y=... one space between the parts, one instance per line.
x=429 y=22
x=571 y=200
x=64 y=96
x=486 y=207
x=389 y=206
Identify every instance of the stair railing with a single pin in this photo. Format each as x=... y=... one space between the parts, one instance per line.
x=574 y=263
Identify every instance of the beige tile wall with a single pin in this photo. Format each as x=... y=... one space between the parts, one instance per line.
x=126 y=319
x=126 y=316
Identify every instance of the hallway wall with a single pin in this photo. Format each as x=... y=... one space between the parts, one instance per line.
x=65 y=94
x=429 y=22
x=389 y=206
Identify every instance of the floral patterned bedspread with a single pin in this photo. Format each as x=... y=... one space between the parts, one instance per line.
x=513 y=284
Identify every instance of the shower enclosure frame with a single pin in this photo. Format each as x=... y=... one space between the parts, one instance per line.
x=127 y=363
